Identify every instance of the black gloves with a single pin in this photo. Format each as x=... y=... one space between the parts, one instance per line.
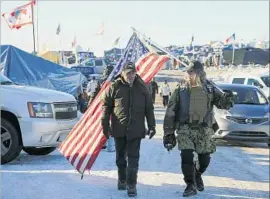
x=228 y=98
x=169 y=141
x=151 y=132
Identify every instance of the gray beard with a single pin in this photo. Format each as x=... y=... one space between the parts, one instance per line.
x=130 y=83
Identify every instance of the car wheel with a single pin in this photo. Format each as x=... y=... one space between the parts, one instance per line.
x=38 y=151
x=268 y=144
x=10 y=142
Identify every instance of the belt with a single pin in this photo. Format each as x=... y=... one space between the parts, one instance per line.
x=194 y=125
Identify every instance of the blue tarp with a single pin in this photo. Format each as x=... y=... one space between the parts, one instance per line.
x=27 y=69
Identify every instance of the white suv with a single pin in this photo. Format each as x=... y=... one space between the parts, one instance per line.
x=33 y=119
x=262 y=81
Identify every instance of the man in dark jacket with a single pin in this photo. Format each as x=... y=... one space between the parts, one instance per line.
x=127 y=102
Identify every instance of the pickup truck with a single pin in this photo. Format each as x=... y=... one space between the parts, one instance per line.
x=33 y=119
x=262 y=81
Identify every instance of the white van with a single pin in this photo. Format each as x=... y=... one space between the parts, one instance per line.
x=262 y=81
x=33 y=119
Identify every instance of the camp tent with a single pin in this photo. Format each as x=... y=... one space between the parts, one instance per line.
x=52 y=56
x=27 y=69
x=245 y=56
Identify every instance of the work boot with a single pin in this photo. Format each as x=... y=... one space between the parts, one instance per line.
x=131 y=190
x=190 y=190
x=189 y=177
x=122 y=183
x=199 y=181
x=131 y=182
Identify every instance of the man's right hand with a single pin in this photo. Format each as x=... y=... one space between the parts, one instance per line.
x=106 y=132
x=169 y=141
x=106 y=135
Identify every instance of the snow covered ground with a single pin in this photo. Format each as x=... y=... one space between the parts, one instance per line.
x=236 y=171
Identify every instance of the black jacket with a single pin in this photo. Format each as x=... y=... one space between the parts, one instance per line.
x=127 y=107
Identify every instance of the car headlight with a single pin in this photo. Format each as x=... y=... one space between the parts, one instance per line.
x=267 y=115
x=222 y=113
x=40 y=110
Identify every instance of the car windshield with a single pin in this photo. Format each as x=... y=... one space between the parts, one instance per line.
x=266 y=80
x=247 y=96
x=98 y=62
x=5 y=81
x=88 y=62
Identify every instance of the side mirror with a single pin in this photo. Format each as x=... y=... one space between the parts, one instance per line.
x=258 y=84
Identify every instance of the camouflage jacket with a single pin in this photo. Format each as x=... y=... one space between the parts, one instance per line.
x=173 y=113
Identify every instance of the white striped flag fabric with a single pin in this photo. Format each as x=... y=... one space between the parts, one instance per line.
x=84 y=142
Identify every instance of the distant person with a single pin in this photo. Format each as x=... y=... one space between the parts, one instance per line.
x=154 y=89
x=91 y=86
x=165 y=92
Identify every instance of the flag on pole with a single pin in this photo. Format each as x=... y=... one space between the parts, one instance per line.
x=116 y=42
x=191 y=42
x=84 y=142
x=58 y=29
x=20 y=16
x=73 y=43
x=101 y=30
x=230 y=39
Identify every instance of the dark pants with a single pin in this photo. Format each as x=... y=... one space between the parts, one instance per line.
x=188 y=167
x=154 y=97
x=165 y=100
x=127 y=158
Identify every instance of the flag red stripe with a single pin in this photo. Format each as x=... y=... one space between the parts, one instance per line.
x=142 y=61
x=100 y=141
x=95 y=153
x=154 y=68
x=88 y=136
x=88 y=146
x=86 y=130
x=77 y=130
x=152 y=59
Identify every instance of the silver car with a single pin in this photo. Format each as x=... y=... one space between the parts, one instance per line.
x=248 y=119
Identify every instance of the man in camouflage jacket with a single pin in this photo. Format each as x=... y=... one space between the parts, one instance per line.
x=126 y=104
x=190 y=115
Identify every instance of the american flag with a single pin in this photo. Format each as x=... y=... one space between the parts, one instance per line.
x=230 y=39
x=84 y=142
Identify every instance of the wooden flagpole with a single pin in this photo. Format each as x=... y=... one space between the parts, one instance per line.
x=233 y=53
x=159 y=47
x=37 y=27
x=33 y=23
